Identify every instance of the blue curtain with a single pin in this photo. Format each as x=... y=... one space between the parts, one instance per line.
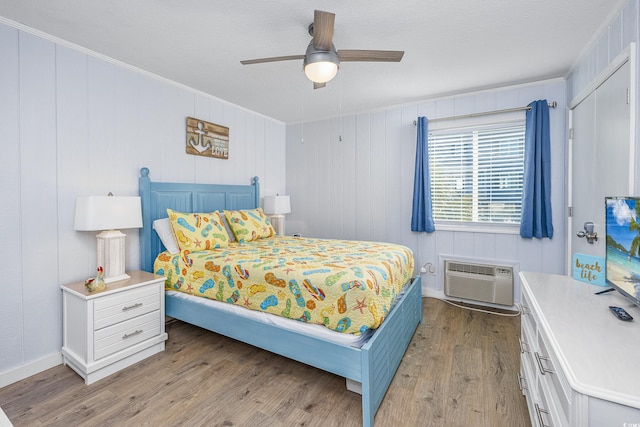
x=421 y=215
x=536 y=194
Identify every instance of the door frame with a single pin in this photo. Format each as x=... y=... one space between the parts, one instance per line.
x=627 y=55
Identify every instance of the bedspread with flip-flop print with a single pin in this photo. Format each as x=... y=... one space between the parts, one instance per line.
x=347 y=286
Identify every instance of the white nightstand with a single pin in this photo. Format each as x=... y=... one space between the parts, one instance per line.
x=107 y=331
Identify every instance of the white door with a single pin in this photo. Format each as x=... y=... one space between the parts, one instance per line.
x=600 y=154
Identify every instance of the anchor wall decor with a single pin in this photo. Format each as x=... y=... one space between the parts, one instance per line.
x=207 y=139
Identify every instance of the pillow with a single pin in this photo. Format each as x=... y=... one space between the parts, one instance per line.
x=249 y=225
x=198 y=231
x=232 y=238
x=163 y=229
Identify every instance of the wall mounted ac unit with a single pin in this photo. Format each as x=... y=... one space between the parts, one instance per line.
x=478 y=282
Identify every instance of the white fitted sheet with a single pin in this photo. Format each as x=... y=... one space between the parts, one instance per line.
x=308 y=329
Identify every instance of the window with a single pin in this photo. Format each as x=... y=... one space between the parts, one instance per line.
x=477 y=174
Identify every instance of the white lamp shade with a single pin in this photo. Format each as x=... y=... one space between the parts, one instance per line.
x=277 y=205
x=107 y=213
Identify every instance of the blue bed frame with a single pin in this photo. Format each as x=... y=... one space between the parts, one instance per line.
x=373 y=365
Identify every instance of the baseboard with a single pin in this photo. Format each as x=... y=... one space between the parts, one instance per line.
x=4 y=420
x=432 y=293
x=30 y=369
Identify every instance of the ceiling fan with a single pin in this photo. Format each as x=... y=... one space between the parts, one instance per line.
x=321 y=60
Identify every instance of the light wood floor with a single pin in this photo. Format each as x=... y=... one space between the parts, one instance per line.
x=460 y=370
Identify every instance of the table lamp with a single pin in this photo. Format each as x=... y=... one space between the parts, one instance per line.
x=109 y=213
x=275 y=207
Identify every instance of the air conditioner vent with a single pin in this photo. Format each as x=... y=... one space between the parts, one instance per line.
x=479 y=282
x=485 y=270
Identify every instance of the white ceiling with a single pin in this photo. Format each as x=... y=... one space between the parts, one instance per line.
x=450 y=46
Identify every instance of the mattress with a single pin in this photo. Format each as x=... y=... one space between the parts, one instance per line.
x=308 y=329
x=345 y=286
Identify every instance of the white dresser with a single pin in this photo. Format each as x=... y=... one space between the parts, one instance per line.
x=107 y=331
x=580 y=365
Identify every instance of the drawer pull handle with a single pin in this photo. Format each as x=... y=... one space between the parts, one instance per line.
x=539 y=412
x=541 y=367
x=130 y=307
x=522 y=346
x=132 y=334
x=522 y=381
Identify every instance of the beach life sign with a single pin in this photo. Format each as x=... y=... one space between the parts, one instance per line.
x=589 y=268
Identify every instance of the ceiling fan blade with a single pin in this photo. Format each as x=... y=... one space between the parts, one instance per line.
x=371 y=55
x=323 y=29
x=318 y=85
x=272 y=59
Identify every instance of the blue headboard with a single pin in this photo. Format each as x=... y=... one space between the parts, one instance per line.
x=158 y=196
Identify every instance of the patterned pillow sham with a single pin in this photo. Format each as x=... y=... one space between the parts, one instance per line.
x=249 y=225
x=198 y=231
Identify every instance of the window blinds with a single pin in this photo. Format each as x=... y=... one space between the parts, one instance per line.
x=477 y=174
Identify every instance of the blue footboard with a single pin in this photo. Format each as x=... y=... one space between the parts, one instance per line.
x=382 y=354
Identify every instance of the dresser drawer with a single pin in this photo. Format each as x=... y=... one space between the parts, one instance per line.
x=527 y=339
x=125 y=334
x=122 y=306
x=529 y=320
x=543 y=413
x=557 y=384
x=527 y=359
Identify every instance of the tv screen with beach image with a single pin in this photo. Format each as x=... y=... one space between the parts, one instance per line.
x=623 y=246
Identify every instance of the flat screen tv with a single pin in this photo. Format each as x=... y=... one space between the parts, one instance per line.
x=623 y=246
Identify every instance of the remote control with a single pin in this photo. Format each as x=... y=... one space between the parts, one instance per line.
x=620 y=313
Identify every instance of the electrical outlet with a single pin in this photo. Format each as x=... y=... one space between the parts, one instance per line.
x=428 y=268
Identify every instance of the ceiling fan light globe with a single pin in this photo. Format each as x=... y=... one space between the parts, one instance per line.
x=321 y=71
x=320 y=66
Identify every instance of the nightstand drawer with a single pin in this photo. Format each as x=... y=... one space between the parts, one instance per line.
x=125 y=305
x=125 y=334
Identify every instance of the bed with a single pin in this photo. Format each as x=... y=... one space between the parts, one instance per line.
x=368 y=367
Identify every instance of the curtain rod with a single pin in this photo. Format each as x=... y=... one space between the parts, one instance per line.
x=552 y=104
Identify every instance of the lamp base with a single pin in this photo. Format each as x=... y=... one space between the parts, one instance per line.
x=278 y=224
x=117 y=278
x=111 y=245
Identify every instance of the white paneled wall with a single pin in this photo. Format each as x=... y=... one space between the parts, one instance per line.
x=12 y=303
x=622 y=29
x=362 y=186
x=38 y=191
x=73 y=123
